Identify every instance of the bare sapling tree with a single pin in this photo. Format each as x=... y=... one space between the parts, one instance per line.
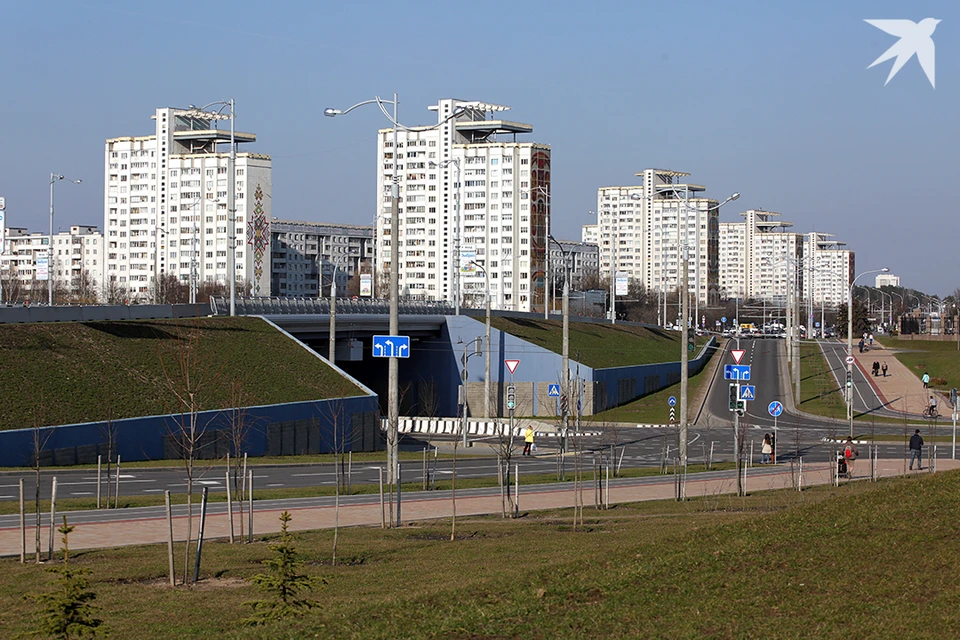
x=240 y=426
x=505 y=445
x=109 y=432
x=338 y=438
x=189 y=383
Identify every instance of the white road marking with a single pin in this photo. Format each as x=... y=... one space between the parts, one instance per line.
x=82 y=493
x=211 y=482
x=275 y=484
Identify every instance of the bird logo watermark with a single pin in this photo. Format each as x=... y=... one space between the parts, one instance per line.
x=915 y=38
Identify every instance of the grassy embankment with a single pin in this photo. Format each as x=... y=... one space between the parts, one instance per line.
x=67 y=373
x=864 y=560
x=606 y=345
x=940 y=359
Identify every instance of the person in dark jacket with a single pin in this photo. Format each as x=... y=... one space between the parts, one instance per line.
x=916 y=448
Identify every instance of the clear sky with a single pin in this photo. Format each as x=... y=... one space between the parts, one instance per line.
x=771 y=99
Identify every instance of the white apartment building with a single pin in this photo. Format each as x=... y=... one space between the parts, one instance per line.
x=504 y=188
x=830 y=269
x=590 y=234
x=165 y=206
x=642 y=230
x=759 y=259
x=580 y=260
x=76 y=265
x=886 y=280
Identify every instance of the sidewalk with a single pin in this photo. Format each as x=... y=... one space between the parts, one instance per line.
x=901 y=390
x=426 y=506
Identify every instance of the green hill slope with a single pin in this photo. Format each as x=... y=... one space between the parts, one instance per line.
x=64 y=373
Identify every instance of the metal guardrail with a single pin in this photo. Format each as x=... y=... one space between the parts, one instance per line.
x=284 y=306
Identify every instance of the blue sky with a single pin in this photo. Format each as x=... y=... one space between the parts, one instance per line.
x=771 y=99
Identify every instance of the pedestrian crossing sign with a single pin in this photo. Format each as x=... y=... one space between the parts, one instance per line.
x=748 y=392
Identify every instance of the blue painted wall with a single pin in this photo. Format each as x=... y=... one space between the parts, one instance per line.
x=143 y=438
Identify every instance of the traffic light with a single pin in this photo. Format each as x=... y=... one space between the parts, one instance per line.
x=691 y=340
x=953 y=396
x=511 y=397
x=563 y=405
x=736 y=404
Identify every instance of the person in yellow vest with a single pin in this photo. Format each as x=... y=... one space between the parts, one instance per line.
x=528 y=440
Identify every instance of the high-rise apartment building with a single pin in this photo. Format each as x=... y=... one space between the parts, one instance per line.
x=501 y=224
x=579 y=260
x=644 y=231
x=886 y=280
x=829 y=267
x=165 y=206
x=759 y=258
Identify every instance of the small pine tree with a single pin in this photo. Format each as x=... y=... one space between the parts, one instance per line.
x=284 y=582
x=68 y=610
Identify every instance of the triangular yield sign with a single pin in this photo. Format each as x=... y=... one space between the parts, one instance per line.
x=737 y=355
x=512 y=365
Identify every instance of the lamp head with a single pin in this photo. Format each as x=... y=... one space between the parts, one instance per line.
x=330 y=112
x=735 y=196
x=885 y=270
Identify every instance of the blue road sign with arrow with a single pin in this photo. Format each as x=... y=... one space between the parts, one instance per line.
x=553 y=391
x=736 y=372
x=748 y=392
x=391 y=346
x=775 y=408
x=672 y=400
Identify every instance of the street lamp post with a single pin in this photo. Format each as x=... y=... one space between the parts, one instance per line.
x=54 y=178
x=231 y=188
x=684 y=328
x=486 y=356
x=565 y=349
x=393 y=388
x=443 y=164
x=850 y=343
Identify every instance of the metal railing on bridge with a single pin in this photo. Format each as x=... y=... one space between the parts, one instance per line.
x=286 y=306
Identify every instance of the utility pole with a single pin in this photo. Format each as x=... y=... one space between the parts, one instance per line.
x=332 y=356
x=684 y=356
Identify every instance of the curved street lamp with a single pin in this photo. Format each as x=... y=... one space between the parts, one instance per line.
x=393 y=387
x=54 y=179
x=850 y=342
x=201 y=112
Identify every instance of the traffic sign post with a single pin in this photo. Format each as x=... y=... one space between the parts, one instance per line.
x=748 y=392
x=737 y=355
x=553 y=391
x=672 y=401
x=736 y=372
x=391 y=346
x=775 y=408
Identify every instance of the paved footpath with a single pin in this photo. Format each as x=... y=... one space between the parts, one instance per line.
x=427 y=505
x=901 y=390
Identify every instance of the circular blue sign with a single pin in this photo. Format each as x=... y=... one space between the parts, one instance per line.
x=672 y=401
x=723 y=319
x=775 y=408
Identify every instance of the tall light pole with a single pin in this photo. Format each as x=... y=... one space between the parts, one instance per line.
x=443 y=164
x=486 y=356
x=850 y=343
x=54 y=179
x=685 y=307
x=565 y=348
x=231 y=186
x=393 y=386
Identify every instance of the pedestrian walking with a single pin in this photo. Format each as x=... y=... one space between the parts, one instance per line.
x=766 y=450
x=876 y=368
x=850 y=454
x=860 y=344
x=871 y=339
x=528 y=440
x=884 y=368
x=916 y=449
x=926 y=380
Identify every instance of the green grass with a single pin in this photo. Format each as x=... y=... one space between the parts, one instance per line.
x=65 y=373
x=863 y=560
x=653 y=408
x=818 y=388
x=598 y=345
x=939 y=358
